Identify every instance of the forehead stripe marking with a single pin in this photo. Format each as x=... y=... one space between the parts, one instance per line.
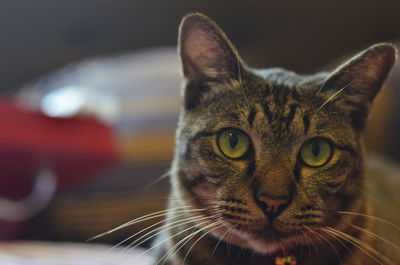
x=290 y=117
x=267 y=90
x=306 y=123
x=251 y=116
x=267 y=112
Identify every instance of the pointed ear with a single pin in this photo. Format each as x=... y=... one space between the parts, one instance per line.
x=355 y=83
x=207 y=56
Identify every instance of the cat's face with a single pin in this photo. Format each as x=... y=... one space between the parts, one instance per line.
x=271 y=154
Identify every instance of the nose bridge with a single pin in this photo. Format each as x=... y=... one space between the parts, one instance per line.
x=274 y=188
x=276 y=180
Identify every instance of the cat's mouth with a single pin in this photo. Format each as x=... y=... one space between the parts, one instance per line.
x=268 y=233
x=265 y=238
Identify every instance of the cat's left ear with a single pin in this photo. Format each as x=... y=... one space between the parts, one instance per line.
x=207 y=55
x=355 y=83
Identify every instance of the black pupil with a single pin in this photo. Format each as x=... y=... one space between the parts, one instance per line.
x=315 y=148
x=233 y=140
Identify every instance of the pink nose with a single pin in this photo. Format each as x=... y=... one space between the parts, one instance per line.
x=272 y=206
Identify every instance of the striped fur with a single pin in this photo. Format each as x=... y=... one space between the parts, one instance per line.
x=279 y=110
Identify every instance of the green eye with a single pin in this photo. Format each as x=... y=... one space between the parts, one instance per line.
x=233 y=143
x=316 y=152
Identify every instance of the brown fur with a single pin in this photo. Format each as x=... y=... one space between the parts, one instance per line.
x=279 y=110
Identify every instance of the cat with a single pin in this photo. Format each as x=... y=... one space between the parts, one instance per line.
x=269 y=165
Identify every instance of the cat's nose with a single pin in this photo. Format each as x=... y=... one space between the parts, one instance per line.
x=272 y=205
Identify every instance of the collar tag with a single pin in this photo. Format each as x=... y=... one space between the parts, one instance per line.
x=288 y=260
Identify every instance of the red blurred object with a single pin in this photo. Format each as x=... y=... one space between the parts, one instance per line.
x=75 y=149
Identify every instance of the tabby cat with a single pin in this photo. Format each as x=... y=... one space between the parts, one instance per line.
x=269 y=164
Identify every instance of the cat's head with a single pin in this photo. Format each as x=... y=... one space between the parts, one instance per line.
x=271 y=153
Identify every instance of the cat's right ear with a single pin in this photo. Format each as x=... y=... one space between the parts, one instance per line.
x=207 y=56
x=355 y=83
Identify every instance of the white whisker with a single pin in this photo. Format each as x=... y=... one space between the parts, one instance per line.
x=375 y=218
x=162 y=229
x=147 y=228
x=165 y=240
x=375 y=236
x=183 y=241
x=209 y=231
x=371 y=252
x=141 y=219
x=220 y=239
x=335 y=94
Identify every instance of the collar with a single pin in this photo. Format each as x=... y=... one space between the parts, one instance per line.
x=285 y=260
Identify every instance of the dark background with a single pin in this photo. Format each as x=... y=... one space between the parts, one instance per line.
x=40 y=35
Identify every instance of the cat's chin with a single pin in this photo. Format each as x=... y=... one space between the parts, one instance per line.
x=267 y=241
x=264 y=247
x=264 y=243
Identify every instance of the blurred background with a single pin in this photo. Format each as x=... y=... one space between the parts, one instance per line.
x=90 y=98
